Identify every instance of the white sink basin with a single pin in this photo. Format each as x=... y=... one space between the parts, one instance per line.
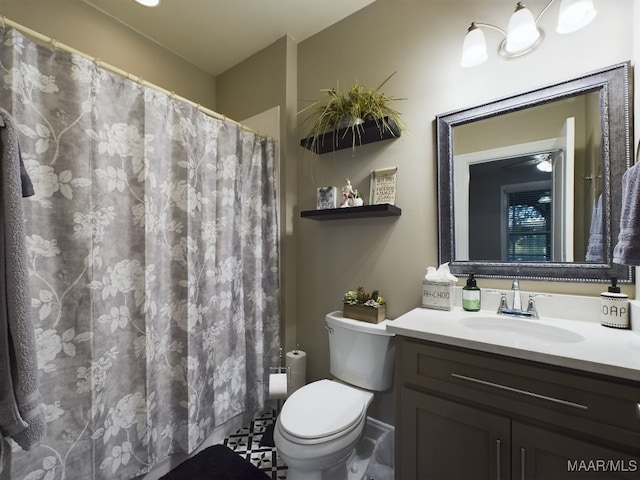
x=520 y=328
x=582 y=344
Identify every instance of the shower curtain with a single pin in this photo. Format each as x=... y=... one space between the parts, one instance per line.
x=154 y=273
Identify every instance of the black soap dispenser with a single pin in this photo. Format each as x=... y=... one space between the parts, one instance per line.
x=614 y=307
x=471 y=295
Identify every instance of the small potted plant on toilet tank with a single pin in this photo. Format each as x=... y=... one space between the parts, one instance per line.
x=361 y=305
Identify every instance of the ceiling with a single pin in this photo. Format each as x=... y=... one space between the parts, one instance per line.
x=215 y=35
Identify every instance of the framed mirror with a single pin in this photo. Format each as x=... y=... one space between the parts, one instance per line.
x=529 y=186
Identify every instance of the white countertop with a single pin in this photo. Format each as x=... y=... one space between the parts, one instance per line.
x=589 y=346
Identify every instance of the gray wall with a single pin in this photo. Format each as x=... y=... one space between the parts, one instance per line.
x=74 y=23
x=421 y=40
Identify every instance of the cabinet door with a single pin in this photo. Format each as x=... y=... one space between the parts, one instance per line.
x=443 y=440
x=540 y=454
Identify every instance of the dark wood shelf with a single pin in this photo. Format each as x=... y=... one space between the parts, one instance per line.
x=379 y=210
x=369 y=132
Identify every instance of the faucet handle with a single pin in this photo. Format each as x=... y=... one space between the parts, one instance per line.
x=503 y=300
x=531 y=305
x=503 y=303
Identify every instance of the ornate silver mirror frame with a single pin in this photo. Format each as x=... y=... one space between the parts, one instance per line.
x=613 y=86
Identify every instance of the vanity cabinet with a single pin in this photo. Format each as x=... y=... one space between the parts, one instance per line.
x=465 y=414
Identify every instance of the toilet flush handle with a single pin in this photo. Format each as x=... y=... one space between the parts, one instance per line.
x=329 y=329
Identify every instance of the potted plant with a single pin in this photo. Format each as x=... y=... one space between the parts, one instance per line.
x=360 y=305
x=344 y=114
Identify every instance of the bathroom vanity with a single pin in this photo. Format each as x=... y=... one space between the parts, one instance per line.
x=480 y=396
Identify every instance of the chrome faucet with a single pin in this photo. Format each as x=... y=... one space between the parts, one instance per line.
x=516 y=310
x=517 y=301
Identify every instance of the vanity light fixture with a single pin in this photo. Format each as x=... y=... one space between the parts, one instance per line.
x=523 y=34
x=149 y=3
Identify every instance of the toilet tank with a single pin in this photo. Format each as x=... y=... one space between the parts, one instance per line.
x=360 y=353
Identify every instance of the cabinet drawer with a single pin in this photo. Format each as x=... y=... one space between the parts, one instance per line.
x=601 y=407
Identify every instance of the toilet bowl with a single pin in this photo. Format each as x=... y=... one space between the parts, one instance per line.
x=318 y=429
x=320 y=424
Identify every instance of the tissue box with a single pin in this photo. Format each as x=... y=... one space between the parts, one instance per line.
x=437 y=295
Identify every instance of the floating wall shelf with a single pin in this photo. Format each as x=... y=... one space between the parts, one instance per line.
x=379 y=210
x=370 y=132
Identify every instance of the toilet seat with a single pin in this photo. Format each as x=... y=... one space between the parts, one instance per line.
x=323 y=410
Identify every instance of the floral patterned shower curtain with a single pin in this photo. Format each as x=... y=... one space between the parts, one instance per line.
x=154 y=271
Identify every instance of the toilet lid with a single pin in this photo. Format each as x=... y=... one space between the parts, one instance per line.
x=322 y=408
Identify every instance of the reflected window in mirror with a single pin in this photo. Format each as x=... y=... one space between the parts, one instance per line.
x=529 y=225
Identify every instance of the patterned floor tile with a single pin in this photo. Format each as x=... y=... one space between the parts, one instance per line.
x=246 y=442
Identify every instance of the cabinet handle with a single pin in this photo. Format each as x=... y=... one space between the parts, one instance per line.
x=523 y=392
x=498 y=473
x=523 y=460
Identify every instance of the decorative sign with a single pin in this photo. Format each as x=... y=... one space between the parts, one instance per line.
x=327 y=198
x=383 y=186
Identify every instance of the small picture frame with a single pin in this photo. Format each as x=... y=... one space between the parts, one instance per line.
x=383 y=186
x=327 y=198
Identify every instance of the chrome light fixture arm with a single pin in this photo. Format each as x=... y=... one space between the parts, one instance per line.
x=544 y=10
x=488 y=25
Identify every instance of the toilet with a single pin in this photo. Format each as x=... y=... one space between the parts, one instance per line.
x=321 y=423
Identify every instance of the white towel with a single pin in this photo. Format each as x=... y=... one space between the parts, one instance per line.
x=627 y=250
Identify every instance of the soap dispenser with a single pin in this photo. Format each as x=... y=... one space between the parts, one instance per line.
x=614 y=307
x=471 y=295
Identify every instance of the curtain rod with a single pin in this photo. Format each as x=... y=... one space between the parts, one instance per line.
x=113 y=69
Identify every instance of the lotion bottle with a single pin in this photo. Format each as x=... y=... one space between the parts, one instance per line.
x=471 y=295
x=614 y=307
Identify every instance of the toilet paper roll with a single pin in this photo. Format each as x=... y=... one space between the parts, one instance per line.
x=277 y=386
x=296 y=361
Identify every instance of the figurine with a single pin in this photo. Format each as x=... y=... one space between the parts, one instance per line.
x=348 y=194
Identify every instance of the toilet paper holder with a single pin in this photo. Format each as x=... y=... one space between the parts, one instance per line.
x=276 y=370
x=279 y=381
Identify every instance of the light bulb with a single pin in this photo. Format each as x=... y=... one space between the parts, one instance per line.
x=474 y=49
x=522 y=31
x=575 y=14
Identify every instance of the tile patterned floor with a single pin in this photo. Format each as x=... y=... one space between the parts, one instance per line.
x=246 y=442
